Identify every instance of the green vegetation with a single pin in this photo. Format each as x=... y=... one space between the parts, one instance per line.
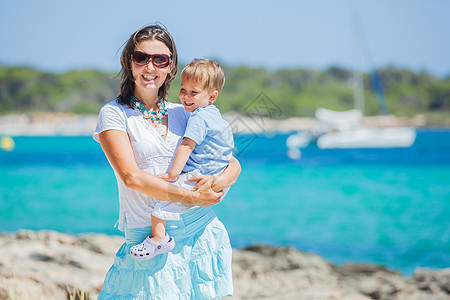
x=297 y=92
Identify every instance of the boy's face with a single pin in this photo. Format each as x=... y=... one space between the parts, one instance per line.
x=193 y=96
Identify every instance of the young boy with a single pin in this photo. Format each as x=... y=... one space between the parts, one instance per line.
x=206 y=148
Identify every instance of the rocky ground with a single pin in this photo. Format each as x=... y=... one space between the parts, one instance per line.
x=51 y=265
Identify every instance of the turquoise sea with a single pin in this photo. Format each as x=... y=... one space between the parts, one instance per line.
x=383 y=206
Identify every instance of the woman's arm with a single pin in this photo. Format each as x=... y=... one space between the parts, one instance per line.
x=117 y=148
x=228 y=176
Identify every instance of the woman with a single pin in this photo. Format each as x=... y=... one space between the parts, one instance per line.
x=140 y=142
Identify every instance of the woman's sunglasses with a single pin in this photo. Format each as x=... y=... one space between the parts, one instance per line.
x=158 y=60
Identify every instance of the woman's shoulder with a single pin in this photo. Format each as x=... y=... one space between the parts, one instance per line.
x=114 y=105
x=111 y=116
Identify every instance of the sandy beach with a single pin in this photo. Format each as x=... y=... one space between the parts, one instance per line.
x=52 y=265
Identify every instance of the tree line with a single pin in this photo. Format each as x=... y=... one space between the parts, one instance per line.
x=297 y=92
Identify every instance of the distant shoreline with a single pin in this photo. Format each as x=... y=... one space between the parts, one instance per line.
x=67 y=124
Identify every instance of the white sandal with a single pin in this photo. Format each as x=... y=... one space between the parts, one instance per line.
x=148 y=248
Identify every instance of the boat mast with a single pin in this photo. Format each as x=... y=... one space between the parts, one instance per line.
x=358 y=84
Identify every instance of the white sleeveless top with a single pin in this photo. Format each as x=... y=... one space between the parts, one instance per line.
x=152 y=153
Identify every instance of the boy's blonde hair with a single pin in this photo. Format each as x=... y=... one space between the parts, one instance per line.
x=205 y=72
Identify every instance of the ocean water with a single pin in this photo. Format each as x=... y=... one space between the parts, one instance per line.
x=385 y=206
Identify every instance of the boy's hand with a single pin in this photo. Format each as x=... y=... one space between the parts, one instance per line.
x=167 y=177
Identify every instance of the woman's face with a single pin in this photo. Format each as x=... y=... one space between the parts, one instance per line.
x=148 y=78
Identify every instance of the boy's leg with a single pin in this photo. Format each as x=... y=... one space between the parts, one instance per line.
x=158 y=229
x=160 y=242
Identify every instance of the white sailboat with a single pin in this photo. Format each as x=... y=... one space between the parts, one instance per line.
x=345 y=129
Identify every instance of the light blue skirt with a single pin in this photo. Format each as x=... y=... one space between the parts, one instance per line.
x=199 y=267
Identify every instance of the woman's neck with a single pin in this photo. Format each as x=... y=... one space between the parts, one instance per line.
x=149 y=99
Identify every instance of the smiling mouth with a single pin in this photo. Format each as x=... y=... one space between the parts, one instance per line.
x=149 y=77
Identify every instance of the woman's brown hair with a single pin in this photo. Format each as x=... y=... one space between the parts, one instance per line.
x=148 y=33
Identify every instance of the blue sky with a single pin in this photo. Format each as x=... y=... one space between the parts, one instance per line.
x=65 y=35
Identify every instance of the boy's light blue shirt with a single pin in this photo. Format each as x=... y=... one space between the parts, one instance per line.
x=213 y=138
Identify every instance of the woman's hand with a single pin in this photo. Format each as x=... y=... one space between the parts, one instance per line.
x=203 y=194
x=222 y=181
x=203 y=181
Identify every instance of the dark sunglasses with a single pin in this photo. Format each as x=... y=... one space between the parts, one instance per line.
x=158 y=60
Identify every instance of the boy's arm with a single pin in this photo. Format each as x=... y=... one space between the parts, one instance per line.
x=184 y=151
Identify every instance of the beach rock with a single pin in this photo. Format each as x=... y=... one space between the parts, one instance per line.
x=377 y=282
x=51 y=265
x=48 y=264
x=261 y=272
x=429 y=280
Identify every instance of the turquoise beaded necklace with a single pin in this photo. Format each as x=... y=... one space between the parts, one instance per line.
x=155 y=116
